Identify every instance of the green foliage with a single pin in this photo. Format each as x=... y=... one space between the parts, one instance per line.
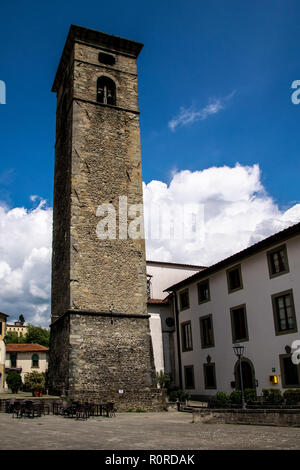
x=14 y=381
x=222 y=399
x=236 y=397
x=180 y=395
x=35 y=381
x=173 y=395
x=250 y=395
x=292 y=397
x=163 y=379
x=272 y=395
x=13 y=338
x=37 y=335
x=140 y=410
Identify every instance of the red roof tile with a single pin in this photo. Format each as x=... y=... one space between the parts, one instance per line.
x=25 y=347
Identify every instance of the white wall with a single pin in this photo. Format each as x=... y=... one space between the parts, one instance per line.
x=163 y=276
x=263 y=347
x=24 y=360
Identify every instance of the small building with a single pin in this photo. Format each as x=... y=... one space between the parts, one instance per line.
x=160 y=306
x=17 y=327
x=251 y=298
x=3 y=318
x=24 y=358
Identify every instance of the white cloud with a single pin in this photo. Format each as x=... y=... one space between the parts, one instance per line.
x=189 y=115
x=25 y=252
x=238 y=212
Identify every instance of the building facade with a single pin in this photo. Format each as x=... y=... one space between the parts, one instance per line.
x=17 y=327
x=26 y=358
x=251 y=298
x=100 y=336
x=160 y=307
x=3 y=318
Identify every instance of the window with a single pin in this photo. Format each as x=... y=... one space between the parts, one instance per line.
x=186 y=336
x=203 y=291
x=278 y=261
x=35 y=360
x=234 y=279
x=284 y=313
x=148 y=288
x=106 y=91
x=1 y=329
x=106 y=59
x=13 y=360
x=189 y=377
x=290 y=373
x=206 y=332
x=184 y=299
x=210 y=375
x=239 y=324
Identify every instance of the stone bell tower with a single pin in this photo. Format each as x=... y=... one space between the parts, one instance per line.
x=100 y=338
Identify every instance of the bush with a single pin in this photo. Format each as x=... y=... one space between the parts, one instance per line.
x=222 y=399
x=163 y=379
x=250 y=395
x=180 y=395
x=35 y=381
x=272 y=395
x=236 y=397
x=292 y=397
x=14 y=381
x=173 y=395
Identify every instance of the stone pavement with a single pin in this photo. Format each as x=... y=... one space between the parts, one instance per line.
x=140 y=431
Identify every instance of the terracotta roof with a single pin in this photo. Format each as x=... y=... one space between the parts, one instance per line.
x=275 y=239
x=180 y=265
x=1 y=313
x=25 y=347
x=158 y=301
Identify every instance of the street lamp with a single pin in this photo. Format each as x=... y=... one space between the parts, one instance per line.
x=239 y=351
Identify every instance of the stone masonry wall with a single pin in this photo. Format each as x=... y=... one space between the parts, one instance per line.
x=98 y=160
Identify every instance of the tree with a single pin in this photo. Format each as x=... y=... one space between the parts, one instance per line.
x=35 y=381
x=14 y=381
x=37 y=335
x=13 y=338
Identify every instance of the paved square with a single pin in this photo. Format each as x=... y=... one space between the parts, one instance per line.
x=140 y=431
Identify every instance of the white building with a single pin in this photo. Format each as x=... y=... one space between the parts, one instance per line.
x=25 y=358
x=160 y=306
x=251 y=298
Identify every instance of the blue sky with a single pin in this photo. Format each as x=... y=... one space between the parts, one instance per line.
x=243 y=55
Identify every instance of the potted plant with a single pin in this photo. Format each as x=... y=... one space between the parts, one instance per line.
x=35 y=381
x=14 y=381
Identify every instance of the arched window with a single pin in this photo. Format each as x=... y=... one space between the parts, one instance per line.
x=35 y=360
x=106 y=91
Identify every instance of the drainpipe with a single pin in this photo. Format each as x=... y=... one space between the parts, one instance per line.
x=178 y=338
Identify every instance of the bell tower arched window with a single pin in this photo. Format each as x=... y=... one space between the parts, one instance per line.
x=106 y=91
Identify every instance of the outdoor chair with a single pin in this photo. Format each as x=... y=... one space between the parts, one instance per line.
x=56 y=407
x=44 y=407
x=110 y=409
x=9 y=406
x=82 y=411
x=28 y=409
x=17 y=409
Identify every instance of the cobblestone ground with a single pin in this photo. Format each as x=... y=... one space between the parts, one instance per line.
x=140 y=431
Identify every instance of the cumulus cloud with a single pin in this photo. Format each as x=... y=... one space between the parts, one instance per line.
x=25 y=248
x=237 y=213
x=190 y=115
